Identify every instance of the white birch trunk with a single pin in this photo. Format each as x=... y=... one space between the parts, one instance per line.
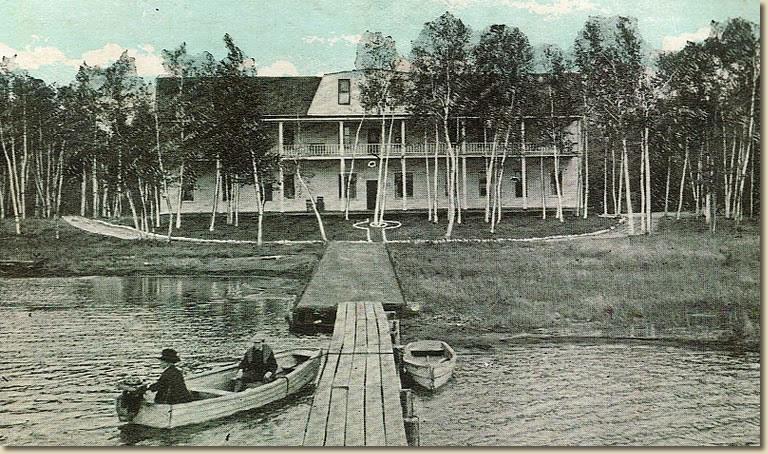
x=216 y=190
x=312 y=202
x=682 y=183
x=630 y=213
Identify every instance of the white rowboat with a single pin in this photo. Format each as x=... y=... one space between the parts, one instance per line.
x=212 y=391
x=429 y=363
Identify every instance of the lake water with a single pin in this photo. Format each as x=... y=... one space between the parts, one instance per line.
x=66 y=342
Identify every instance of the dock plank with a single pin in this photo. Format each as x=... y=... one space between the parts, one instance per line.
x=372 y=328
x=314 y=434
x=337 y=414
x=385 y=341
x=355 y=428
x=357 y=400
x=335 y=432
x=374 y=403
x=338 y=328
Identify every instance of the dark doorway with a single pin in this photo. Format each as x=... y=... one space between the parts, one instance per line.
x=371 y=189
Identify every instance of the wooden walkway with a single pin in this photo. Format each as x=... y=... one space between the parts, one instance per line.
x=357 y=400
x=348 y=272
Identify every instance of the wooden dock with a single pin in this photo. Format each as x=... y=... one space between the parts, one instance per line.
x=357 y=400
x=356 y=272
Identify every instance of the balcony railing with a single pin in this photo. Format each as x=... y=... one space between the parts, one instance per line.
x=395 y=150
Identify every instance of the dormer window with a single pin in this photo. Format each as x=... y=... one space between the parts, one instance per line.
x=344 y=89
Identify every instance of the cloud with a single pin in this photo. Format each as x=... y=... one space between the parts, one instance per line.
x=148 y=63
x=333 y=39
x=553 y=9
x=677 y=42
x=279 y=68
x=550 y=9
x=457 y=4
x=35 y=57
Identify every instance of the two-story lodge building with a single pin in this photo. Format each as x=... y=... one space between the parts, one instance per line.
x=316 y=120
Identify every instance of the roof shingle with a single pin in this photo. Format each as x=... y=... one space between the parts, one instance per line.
x=280 y=96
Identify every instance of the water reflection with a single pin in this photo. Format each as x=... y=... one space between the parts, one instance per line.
x=65 y=343
x=596 y=395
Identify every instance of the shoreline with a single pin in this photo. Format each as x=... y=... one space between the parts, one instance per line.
x=465 y=302
x=486 y=341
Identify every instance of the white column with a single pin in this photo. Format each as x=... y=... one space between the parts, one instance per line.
x=342 y=165
x=402 y=161
x=523 y=166
x=464 y=162
x=280 y=149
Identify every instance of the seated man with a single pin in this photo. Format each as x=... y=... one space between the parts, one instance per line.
x=258 y=364
x=170 y=388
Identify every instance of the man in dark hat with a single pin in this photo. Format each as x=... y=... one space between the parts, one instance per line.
x=170 y=388
x=258 y=364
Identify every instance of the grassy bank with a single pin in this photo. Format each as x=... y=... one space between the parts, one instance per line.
x=77 y=253
x=680 y=282
x=303 y=226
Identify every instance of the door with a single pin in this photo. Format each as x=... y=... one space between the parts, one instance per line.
x=371 y=189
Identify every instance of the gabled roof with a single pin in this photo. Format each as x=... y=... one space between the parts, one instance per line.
x=280 y=96
x=286 y=96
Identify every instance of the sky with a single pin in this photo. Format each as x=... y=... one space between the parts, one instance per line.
x=309 y=37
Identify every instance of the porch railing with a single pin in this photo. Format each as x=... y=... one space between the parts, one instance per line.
x=395 y=150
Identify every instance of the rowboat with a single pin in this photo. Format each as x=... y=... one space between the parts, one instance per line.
x=429 y=363
x=213 y=393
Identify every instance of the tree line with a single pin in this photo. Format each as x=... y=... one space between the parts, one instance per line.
x=648 y=121
x=672 y=131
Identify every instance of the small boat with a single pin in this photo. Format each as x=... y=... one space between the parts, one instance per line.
x=429 y=363
x=214 y=396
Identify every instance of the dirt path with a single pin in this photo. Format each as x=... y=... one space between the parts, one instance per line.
x=98 y=227
x=125 y=232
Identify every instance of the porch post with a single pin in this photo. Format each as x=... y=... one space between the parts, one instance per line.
x=342 y=165
x=402 y=162
x=524 y=169
x=464 y=162
x=280 y=149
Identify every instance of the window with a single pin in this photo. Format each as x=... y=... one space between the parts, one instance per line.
x=344 y=89
x=268 y=192
x=399 y=184
x=289 y=136
x=343 y=178
x=552 y=183
x=188 y=191
x=289 y=188
x=517 y=181
x=481 y=184
x=374 y=137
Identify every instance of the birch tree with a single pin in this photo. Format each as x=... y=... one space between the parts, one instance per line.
x=502 y=67
x=440 y=59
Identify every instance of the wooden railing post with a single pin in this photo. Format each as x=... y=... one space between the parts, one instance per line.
x=410 y=420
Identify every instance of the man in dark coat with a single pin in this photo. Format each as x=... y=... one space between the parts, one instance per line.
x=170 y=388
x=258 y=364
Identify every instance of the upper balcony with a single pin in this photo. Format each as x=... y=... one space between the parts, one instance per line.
x=470 y=149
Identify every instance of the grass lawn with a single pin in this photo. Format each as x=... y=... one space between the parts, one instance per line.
x=513 y=225
x=414 y=226
x=78 y=253
x=606 y=283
